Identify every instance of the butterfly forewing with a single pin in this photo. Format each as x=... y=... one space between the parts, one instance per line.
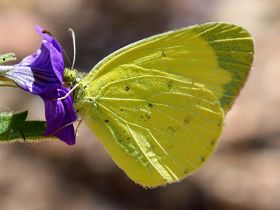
x=217 y=55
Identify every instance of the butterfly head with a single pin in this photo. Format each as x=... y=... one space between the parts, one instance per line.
x=70 y=76
x=73 y=76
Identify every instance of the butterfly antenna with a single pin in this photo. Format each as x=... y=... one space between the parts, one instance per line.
x=66 y=56
x=74 y=46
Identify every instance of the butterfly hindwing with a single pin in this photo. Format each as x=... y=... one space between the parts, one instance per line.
x=157 y=127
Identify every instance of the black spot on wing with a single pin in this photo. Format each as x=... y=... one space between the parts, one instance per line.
x=202 y=159
x=186 y=171
x=171 y=130
x=169 y=84
x=187 y=119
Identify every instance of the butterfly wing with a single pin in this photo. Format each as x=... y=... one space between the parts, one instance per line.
x=157 y=105
x=156 y=126
x=217 y=55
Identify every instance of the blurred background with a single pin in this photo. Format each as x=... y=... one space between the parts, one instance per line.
x=244 y=173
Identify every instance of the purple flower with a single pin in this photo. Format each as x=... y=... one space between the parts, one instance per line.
x=60 y=114
x=42 y=74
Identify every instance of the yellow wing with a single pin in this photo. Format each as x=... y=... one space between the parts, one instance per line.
x=217 y=55
x=157 y=105
x=157 y=127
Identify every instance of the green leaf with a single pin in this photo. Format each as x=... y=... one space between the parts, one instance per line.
x=14 y=127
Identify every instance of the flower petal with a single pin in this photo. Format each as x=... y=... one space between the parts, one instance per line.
x=59 y=115
x=56 y=53
x=47 y=59
x=25 y=77
x=67 y=134
x=41 y=70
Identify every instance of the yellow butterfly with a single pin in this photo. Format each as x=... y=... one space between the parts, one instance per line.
x=158 y=105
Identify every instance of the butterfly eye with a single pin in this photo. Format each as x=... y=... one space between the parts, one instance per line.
x=70 y=76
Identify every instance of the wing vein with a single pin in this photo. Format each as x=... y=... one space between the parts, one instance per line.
x=147 y=130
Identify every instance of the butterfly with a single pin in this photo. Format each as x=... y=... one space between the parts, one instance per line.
x=158 y=105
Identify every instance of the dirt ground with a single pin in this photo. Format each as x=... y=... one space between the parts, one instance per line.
x=244 y=172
